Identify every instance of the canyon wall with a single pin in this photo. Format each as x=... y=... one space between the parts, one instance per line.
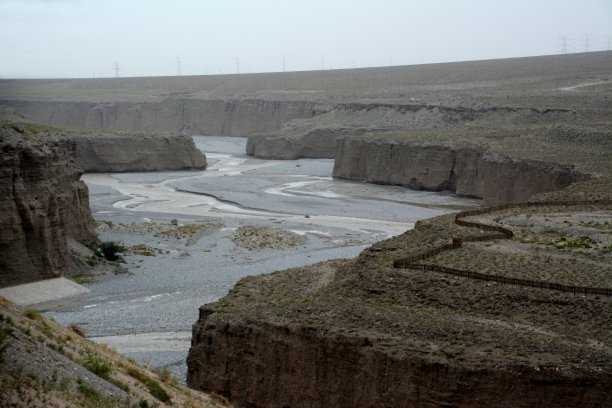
x=42 y=204
x=120 y=153
x=259 y=364
x=315 y=144
x=192 y=116
x=465 y=171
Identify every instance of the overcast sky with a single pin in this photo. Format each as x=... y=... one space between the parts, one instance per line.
x=84 y=38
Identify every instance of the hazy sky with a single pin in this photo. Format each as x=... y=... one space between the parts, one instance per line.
x=84 y=38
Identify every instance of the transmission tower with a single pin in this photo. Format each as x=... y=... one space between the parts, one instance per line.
x=563 y=44
x=117 y=69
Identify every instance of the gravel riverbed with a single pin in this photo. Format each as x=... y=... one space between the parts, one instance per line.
x=197 y=233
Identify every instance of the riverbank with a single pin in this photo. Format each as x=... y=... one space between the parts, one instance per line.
x=176 y=268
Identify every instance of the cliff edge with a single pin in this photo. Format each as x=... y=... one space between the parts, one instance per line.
x=120 y=152
x=471 y=326
x=42 y=204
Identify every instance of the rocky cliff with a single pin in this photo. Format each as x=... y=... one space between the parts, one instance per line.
x=363 y=336
x=192 y=116
x=42 y=203
x=465 y=171
x=136 y=152
x=291 y=145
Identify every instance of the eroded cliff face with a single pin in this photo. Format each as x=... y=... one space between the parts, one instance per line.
x=193 y=116
x=315 y=144
x=259 y=364
x=42 y=204
x=119 y=153
x=465 y=171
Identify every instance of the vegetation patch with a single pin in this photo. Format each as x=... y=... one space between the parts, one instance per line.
x=110 y=250
x=154 y=388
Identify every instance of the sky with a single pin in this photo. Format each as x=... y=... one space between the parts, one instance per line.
x=91 y=38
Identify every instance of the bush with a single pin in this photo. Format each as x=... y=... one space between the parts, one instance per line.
x=154 y=388
x=110 y=250
x=77 y=329
x=98 y=366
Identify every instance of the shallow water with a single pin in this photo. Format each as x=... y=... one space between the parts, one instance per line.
x=148 y=313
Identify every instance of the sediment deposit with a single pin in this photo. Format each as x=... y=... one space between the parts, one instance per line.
x=104 y=152
x=42 y=202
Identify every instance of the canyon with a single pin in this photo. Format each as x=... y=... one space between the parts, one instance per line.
x=359 y=332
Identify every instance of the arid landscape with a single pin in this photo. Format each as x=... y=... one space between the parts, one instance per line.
x=427 y=235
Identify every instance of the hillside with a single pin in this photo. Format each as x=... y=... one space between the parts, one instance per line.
x=43 y=364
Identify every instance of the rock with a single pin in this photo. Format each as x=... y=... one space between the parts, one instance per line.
x=118 y=153
x=42 y=204
x=261 y=364
x=466 y=171
x=191 y=116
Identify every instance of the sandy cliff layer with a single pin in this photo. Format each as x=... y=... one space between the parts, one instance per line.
x=42 y=203
x=192 y=116
x=119 y=153
x=315 y=144
x=258 y=364
x=466 y=171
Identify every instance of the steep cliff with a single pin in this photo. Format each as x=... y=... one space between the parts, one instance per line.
x=193 y=116
x=359 y=334
x=133 y=152
x=42 y=203
x=466 y=171
x=291 y=144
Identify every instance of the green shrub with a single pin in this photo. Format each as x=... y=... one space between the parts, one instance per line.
x=154 y=388
x=89 y=392
x=98 y=366
x=110 y=250
x=32 y=314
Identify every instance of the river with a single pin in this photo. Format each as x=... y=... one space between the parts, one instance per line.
x=147 y=313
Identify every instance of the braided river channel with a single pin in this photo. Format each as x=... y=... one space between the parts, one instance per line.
x=147 y=312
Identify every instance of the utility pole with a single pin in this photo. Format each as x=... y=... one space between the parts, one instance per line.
x=237 y=65
x=178 y=66
x=117 y=69
x=322 y=63
x=586 y=43
x=563 y=44
x=608 y=44
x=284 y=66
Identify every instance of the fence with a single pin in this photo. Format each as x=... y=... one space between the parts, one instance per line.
x=411 y=262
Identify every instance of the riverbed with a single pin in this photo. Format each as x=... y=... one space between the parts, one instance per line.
x=147 y=312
